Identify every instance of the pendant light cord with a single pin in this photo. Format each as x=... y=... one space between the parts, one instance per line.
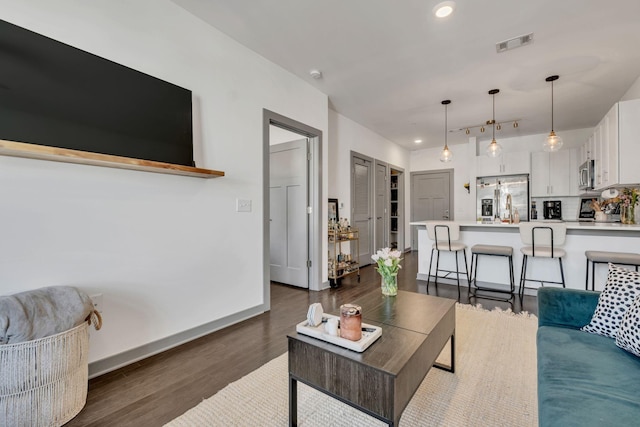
x=551 y=105
x=445 y=126
x=493 y=119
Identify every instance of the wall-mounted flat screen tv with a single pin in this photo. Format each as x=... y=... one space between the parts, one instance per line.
x=56 y=95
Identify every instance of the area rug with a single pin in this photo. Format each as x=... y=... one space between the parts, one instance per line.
x=494 y=385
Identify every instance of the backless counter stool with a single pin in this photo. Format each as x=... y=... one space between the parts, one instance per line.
x=491 y=250
x=601 y=257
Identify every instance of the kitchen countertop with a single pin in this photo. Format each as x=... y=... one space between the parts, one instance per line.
x=571 y=225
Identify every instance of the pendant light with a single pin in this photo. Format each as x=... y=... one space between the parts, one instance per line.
x=553 y=142
x=494 y=149
x=446 y=155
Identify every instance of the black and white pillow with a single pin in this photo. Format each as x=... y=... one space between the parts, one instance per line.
x=628 y=336
x=622 y=288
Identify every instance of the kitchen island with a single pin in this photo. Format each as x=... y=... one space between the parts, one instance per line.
x=581 y=237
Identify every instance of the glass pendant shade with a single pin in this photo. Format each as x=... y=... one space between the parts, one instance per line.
x=553 y=143
x=446 y=155
x=494 y=149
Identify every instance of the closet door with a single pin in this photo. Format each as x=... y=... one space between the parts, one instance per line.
x=361 y=209
x=381 y=203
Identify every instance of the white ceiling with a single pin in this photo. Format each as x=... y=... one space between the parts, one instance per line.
x=388 y=64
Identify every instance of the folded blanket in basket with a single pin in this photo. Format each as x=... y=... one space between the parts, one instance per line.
x=42 y=312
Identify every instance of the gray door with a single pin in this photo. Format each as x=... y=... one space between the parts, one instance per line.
x=289 y=246
x=381 y=191
x=361 y=206
x=430 y=199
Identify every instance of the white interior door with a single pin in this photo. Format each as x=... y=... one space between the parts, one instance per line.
x=289 y=245
x=361 y=207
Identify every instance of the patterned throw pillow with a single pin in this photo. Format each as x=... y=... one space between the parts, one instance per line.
x=622 y=287
x=628 y=337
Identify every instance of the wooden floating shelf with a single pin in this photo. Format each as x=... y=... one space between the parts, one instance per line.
x=43 y=152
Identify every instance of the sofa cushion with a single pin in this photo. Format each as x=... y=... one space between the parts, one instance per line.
x=628 y=337
x=622 y=287
x=585 y=380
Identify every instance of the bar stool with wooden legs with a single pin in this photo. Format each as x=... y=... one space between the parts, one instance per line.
x=602 y=257
x=445 y=235
x=542 y=240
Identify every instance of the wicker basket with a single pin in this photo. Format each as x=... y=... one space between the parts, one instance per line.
x=44 y=382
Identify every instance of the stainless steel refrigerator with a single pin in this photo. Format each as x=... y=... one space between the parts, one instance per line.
x=492 y=196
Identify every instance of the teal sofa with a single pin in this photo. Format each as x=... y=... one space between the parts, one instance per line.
x=583 y=379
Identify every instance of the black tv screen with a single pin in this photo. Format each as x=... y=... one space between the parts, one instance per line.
x=56 y=95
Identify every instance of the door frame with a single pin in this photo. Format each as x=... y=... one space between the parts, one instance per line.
x=372 y=195
x=315 y=199
x=412 y=192
x=401 y=208
x=385 y=214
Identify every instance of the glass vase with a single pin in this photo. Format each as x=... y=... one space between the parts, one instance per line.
x=627 y=214
x=389 y=285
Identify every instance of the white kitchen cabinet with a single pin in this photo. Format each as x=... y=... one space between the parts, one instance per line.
x=551 y=173
x=607 y=146
x=512 y=163
x=629 y=142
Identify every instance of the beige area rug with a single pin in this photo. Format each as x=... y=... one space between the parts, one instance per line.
x=494 y=385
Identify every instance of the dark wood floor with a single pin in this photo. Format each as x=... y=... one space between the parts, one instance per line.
x=156 y=390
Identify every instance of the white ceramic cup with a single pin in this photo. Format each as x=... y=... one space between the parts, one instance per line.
x=332 y=326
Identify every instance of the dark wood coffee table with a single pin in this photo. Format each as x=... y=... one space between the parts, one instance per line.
x=381 y=380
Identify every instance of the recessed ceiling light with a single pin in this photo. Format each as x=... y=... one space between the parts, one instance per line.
x=417 y=141
x=444 y=9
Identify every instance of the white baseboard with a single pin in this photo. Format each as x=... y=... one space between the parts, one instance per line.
x=101 y=367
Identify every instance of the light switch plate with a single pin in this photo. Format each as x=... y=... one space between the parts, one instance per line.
x=243 y=205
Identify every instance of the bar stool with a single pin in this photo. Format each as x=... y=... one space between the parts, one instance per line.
x=445 y=235
x=602 y=257
x=542 y=240
x=491 y=250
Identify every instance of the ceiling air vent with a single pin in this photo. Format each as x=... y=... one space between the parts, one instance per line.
x=514 y=43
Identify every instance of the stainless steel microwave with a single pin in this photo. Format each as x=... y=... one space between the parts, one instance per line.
x=586 y=175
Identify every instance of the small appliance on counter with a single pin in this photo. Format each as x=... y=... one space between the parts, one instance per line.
x=586 y=211
x=487 y=208
x=552 y=209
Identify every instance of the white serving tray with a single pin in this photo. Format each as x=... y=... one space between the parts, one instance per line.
x=319 y=332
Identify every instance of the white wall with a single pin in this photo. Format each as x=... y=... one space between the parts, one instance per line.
x=571 y=139
x=169 y=253
x=345 y=136
x=464 y=167
x=633 y=92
